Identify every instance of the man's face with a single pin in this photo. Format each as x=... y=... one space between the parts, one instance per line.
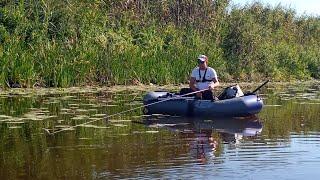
x=202 y=64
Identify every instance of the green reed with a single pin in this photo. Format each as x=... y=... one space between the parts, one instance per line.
x=61 y=44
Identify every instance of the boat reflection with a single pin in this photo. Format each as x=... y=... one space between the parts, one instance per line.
x=206 y=137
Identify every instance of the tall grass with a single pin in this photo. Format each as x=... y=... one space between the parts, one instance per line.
x=71 y=43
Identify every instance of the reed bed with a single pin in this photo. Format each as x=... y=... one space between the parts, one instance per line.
x=72 y=43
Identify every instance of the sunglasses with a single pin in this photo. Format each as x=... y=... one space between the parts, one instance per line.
x=201 y=62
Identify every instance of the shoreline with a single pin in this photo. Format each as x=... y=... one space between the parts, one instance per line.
x=140 y=87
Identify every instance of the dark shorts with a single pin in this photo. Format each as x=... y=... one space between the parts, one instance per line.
x=207 y=95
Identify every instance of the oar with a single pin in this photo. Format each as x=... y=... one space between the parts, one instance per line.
x=122 y=112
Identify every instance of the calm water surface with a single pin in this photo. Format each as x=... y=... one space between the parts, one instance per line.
x=283 y=141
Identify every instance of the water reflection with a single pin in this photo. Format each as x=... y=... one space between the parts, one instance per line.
x=205 y=136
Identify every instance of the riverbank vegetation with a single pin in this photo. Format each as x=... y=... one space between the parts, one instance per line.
x=72 y=43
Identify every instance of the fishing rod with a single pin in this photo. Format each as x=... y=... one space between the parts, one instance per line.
x=258 y=88
x=122 y=112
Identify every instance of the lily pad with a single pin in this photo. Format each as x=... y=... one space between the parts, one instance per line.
x=152 y=132
x=110 y=105
x=120 y=125
x=99 y=115
x=93 y=126
x=60 y=121
x=81 y=117
x=15 y=127
x=95 y=118
x=81 y=110
x=118 y=120
x=15 y=122
x=4 y=117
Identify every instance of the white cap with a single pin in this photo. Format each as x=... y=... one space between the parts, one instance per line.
x=202 y=58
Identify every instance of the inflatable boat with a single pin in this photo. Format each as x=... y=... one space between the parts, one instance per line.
x=163 y=102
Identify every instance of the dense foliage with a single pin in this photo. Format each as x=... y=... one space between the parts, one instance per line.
x=75 y=42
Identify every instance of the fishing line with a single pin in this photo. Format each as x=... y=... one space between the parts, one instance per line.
x=122 y=112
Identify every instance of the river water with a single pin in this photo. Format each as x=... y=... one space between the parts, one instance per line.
x=283 y=141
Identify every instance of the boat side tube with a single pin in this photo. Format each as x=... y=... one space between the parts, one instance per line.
x=175 y=106
x=239 y=106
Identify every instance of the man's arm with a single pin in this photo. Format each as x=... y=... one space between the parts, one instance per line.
x=215 y=83
x=192 y=84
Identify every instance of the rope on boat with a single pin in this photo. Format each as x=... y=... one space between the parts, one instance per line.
x=122 y=112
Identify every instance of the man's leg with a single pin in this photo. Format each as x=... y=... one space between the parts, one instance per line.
x=186 y=91
x=207 y=95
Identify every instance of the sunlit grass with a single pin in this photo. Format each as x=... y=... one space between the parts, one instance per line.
x=56 y=44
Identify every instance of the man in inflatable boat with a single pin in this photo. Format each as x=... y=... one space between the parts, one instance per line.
x=203 y=77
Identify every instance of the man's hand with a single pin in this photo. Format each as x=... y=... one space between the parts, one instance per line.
x=199 y=95
x=211 y=86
